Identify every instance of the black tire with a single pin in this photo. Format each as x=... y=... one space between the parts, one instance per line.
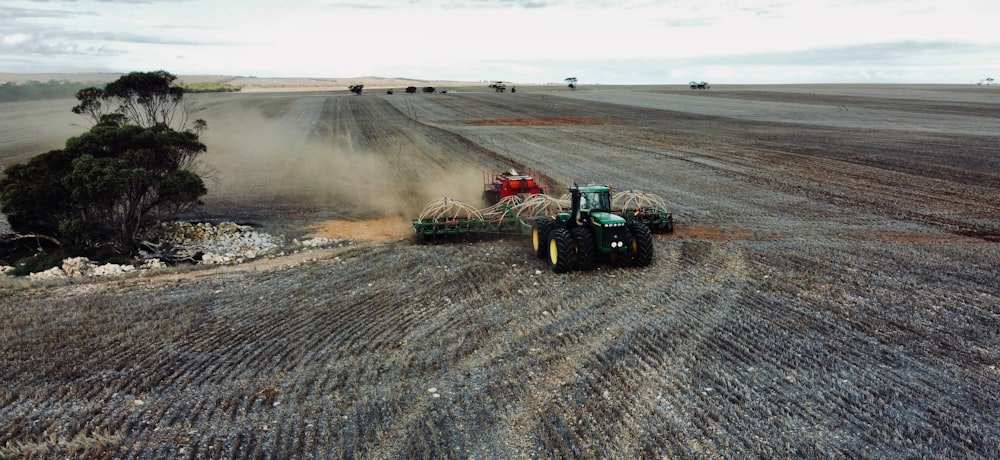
x=641 y=246
x=586 y=249
x=540 y=237
x=561 y=250
x=490 y=197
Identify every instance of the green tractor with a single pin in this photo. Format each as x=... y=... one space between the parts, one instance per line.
x=590 y=233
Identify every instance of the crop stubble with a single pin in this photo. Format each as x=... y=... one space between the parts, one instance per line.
x=830 y=291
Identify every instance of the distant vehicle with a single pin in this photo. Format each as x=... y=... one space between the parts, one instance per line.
x=699 y=85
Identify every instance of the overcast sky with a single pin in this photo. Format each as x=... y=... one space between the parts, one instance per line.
x=526 y=41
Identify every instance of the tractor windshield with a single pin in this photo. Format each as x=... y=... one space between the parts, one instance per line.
x=595 y=201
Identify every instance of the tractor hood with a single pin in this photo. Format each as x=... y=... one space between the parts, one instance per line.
x=606 y=219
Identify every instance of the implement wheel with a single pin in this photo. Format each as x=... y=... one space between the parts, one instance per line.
x=561 y=250
x=641 y=246
x=586 y=248
x=540 y=237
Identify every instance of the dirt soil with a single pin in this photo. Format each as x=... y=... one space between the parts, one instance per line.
x=831 y=289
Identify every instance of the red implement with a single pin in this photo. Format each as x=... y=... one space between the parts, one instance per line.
x=508 y=184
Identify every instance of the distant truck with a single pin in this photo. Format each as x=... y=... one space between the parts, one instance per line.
x=699 y=85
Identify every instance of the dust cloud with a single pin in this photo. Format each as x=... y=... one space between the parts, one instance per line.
x=255 y=158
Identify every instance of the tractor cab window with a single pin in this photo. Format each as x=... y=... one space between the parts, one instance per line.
x=595 y=201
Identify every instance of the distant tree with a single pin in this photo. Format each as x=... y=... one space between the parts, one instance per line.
x=411 y=89
x=356 y=89
x=142 y=98
x=572 y=82
x=91 y=104
x=429 y=89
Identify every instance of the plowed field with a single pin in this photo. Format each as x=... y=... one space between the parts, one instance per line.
x=831 y=289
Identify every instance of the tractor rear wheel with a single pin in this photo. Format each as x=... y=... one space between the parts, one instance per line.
x=540 y=237
x=586 y=248
x=641 y=246
x=561 y=250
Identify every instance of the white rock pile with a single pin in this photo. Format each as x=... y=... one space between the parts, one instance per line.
x=225 y=243
x=82 y=267
x=222 y=244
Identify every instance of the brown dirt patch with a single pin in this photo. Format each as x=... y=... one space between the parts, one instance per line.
x=558 y=121
x=384 y=229
x=909 y=237
x=717 y=233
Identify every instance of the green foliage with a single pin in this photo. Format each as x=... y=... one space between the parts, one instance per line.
x=428 y=89
x=36 y=90
x=105 y=185
x=32 y=194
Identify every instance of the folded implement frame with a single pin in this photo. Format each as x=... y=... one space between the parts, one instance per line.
x=446 y=219
x=643 y=208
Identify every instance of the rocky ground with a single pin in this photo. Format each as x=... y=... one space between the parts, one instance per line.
x=829 y=291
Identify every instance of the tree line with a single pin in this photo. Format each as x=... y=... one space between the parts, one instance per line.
x=36 y=90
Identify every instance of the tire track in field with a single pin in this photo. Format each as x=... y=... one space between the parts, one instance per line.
x=367 y=437
x=604 y=377
x=860 y=388
x=266 y=354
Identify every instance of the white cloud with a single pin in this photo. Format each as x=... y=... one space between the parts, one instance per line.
x=620 y=39
x=15 y=39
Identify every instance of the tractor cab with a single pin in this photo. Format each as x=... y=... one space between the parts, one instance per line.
x=591 y=210
x=594 y=200
x=591 y=204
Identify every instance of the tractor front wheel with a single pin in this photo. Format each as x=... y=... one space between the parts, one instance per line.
x=561 y=250
x=641 y=246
